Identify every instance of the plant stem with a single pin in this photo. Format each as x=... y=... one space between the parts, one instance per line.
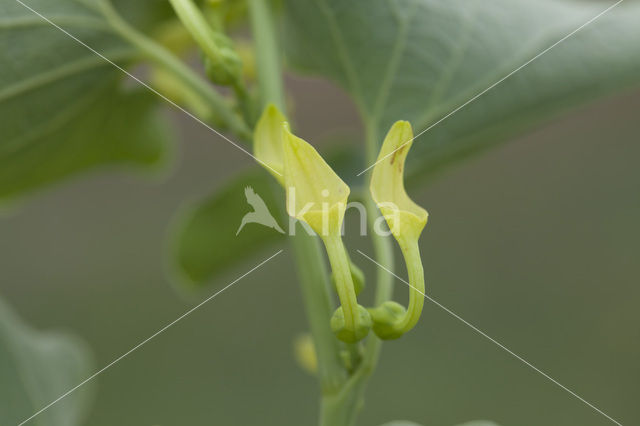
x=342 y=397
x=411 y=253
x=196 y=24
x=314 y=283
x=166 y=59
x=341 y=409
x=267 y=53
x=383 y=253
x=344 y=283
x=311 y=267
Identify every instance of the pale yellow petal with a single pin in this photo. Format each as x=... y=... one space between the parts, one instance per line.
x=315 y=193
x=387 y=183
x=267 y=141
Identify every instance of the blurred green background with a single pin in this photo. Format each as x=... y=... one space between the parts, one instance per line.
x=536 y=243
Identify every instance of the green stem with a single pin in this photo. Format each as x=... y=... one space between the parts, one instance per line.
x=314 y=279
x=383 y=253
x=166 y=59
x=198 y=27
x=344 y=283
x=411 y=253
x=312 y=272
x=221 y=57
x=342 y=408
x=267 y=53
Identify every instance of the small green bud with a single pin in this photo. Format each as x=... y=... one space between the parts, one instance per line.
x=226 y=68
x=222 y=63
x=351 y=335
x=385 y=319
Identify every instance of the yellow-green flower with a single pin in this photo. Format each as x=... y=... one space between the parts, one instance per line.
x=315 y=193
x=317 y=196
x=406 y=221
x=267 y=141
x=404 y=217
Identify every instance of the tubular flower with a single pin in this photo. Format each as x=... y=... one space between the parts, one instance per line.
x=406 y=221
x=317 y=196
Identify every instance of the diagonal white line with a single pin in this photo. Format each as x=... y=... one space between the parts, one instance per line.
x=482 y=333
x=590 y=21
x=163 y=329
x=147 y=86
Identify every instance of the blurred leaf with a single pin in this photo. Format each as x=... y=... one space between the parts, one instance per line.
x=111 y=128
x=144 y=14
x=62 y=109
x=418 y=60
x=35 y=369
x=205 y=241
x=479 y=423
x=473 y=423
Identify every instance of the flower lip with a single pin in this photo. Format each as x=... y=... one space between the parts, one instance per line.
x=315 y=193
x=387 y=184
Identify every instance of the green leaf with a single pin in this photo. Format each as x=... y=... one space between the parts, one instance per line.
x=145 y=14
x=37 y=368
x=418 y=60
x=207 y=238
x=62 y=108
x=400 y=423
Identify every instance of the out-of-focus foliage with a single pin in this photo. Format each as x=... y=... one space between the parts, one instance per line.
x=37 y=368
x=406 y=423
x=479 y=423
x=62 y=107
x=208 y=237
x=418 y=60
x=144 y=14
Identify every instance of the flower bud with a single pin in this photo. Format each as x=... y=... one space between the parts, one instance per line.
x=385 y=319
x=347 y=334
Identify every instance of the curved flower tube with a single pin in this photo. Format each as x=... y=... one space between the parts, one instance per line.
x=406 y=221
x=317 y=196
